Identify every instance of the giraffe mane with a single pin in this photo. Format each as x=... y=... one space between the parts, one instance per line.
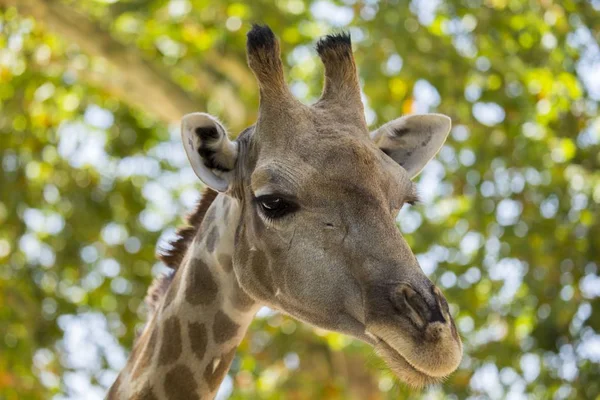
x=172 y=255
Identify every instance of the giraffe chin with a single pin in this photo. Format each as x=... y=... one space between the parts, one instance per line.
x=403 y=369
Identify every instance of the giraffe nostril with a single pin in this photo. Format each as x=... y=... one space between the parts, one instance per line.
x=410 y=303
x=439 y=313
x=413 y=304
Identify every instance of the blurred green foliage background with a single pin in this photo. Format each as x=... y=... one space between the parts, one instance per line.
x=94 y=176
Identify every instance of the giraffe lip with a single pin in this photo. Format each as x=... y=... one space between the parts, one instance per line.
x=389 y=348
x=402 y=367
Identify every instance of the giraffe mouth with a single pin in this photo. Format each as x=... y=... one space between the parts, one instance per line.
x=403 y=368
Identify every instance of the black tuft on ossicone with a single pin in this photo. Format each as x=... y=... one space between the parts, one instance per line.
x=336 y=40
x=260 y=37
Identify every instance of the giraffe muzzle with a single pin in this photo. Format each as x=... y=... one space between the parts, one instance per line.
x=415 y=333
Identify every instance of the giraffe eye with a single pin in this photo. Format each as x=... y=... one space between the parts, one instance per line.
x=274 y=207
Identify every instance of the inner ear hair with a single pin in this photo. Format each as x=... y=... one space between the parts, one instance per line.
x=211 y=143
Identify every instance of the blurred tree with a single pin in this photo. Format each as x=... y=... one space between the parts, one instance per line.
x=93 y=176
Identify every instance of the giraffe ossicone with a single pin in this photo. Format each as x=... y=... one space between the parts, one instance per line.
x=300 y=216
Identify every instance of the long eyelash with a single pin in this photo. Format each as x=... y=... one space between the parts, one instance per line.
x=270 y=220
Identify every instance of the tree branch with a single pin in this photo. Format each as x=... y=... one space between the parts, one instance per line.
x=136 y=81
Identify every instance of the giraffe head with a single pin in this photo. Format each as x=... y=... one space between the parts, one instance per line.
x=319 y=196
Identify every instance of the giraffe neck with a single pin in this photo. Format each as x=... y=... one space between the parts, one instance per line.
x=187 y=347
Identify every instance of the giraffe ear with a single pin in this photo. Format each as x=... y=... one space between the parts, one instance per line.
x=413 y=140
x=211 y=153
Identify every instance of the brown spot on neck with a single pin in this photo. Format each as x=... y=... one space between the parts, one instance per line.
x=201 y=286
x=180 y=384
x=198 y=339
x=223 y=328
x=171 y=341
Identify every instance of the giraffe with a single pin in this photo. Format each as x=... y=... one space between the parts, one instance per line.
x=299 y=215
